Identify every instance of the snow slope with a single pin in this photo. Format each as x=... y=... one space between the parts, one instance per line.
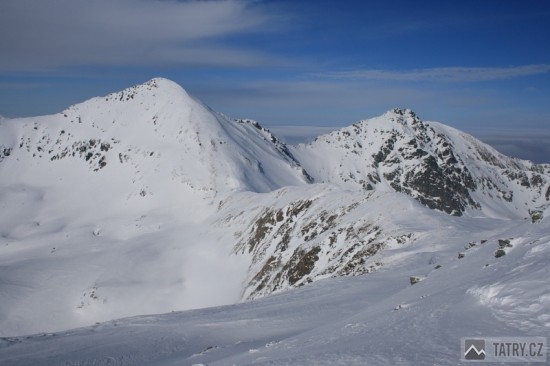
x=373 y=176
x=146 y=201
x=377 y=319
x=443 y=168
x=103 y=205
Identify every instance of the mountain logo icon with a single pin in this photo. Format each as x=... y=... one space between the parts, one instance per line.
x=475 y=349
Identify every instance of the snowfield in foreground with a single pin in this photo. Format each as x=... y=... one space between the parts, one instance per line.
x=382 y=243
x=377 y=319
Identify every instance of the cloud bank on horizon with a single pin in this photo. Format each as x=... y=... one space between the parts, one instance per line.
x=468 y=64
x=444 y=74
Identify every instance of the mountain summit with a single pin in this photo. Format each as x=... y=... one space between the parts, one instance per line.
x=441 y=167
x=147 y=201
x=153 y=139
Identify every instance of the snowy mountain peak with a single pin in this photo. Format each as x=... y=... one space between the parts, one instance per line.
x=402 y=114
x=159 y=87
x=146 y=201
x=155 y=140
x=439 y=166
x=377 y=164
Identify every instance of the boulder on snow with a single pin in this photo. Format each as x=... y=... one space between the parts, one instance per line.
x=499 y=253
x=504 y=243
x=536 y=215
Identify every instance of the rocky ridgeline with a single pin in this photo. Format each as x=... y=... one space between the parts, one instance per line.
x=304 y=241
x=164 y=135
x=442 y=168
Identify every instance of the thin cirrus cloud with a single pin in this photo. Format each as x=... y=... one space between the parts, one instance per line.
x=445 y=74
x=48 y=35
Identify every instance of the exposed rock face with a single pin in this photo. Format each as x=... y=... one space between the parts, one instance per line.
x=305 y=240
x=442 y=168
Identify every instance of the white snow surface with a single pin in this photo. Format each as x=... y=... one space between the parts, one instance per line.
x=146 y=202
x=82 y=243
x=347 y=156
x=377 y=319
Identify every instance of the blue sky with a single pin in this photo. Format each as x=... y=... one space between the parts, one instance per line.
x=475 y=65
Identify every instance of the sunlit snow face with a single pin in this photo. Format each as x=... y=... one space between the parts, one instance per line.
x=194 y=209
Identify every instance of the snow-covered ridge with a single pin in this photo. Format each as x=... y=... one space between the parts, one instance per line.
x=110 y=197
x=352 y=321
x=439 y=166
x=147 y=201
x=153 y=125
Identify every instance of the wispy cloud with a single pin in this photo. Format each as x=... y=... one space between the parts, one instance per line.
x=444 y=74
x=45 y=35
x=316 y=102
